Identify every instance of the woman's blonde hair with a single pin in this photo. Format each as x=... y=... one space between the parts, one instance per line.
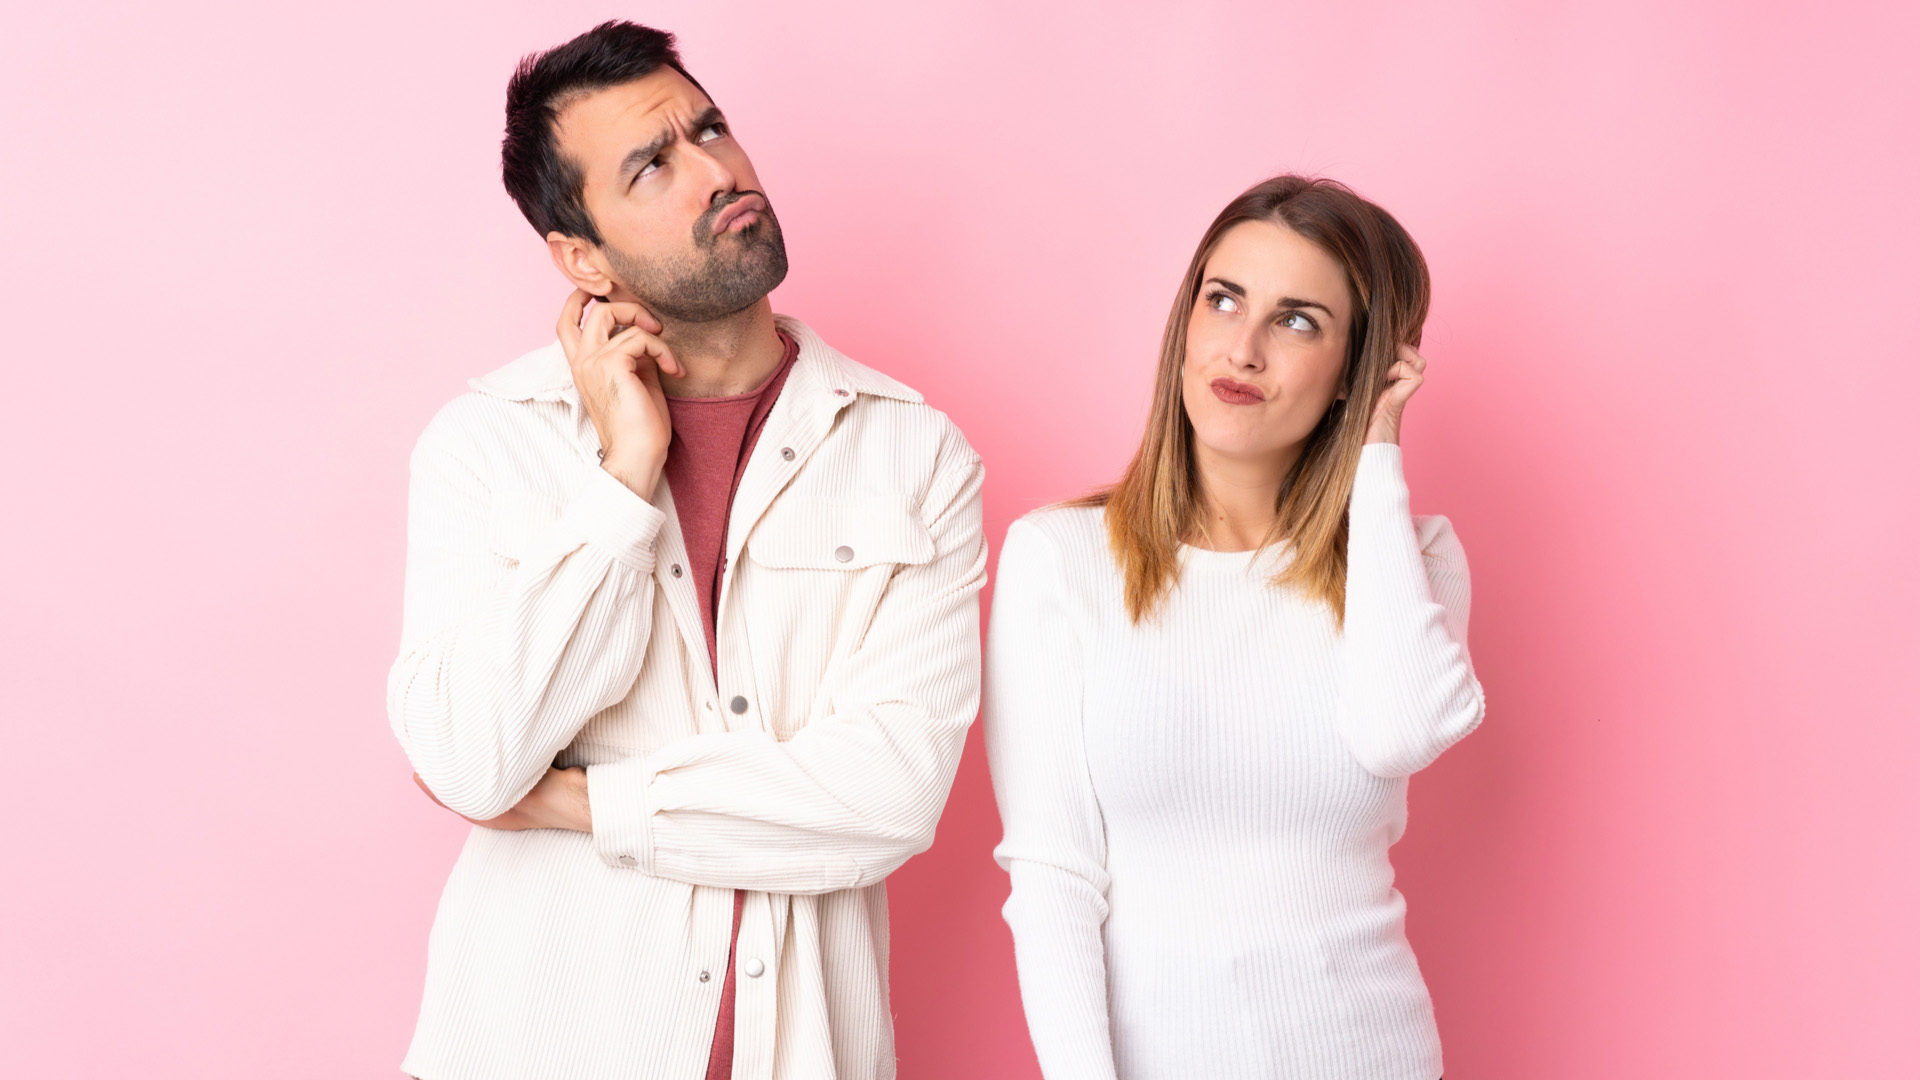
x=1157 y=505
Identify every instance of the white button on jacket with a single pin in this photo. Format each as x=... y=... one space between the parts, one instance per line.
x=543 y=626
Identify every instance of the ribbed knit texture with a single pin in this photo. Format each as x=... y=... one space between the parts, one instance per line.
x=1198 y=808
x=550 y=618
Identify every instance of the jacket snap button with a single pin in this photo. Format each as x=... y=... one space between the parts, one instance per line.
x=676 y=569
x=738 y=705
x=786 y=453
x=843 y=553
x=704 y=976
x=754 y=968
x=841 y=393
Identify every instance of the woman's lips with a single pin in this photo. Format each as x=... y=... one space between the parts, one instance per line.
x=1237 y=393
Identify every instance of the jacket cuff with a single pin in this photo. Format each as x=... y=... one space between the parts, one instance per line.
x=622 y=821
x=613 y=517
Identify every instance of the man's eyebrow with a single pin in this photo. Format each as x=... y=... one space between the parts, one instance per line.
x=638 y=157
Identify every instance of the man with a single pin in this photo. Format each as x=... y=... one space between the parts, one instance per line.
x=691 y=626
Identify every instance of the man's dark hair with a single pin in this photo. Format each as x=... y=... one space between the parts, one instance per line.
x=549 y=186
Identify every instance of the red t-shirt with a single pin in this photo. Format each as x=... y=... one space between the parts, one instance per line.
x=712 y=440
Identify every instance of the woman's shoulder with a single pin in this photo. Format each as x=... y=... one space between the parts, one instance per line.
x=1069 y=528
x=1066 y=539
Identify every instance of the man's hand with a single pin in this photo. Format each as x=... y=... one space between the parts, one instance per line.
x=558 y=801
x=1403 y=378
x=616 y=359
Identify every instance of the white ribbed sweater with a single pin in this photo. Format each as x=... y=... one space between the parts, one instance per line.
x=1198 y=808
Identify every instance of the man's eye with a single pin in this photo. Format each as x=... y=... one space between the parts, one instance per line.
x=712 y=132
x=1296 y=320
x=650 y=167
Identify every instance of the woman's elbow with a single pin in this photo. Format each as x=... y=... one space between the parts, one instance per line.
x=1391 y=753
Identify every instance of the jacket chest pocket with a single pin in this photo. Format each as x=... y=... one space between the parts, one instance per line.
x=834 y=536
x=817 y=571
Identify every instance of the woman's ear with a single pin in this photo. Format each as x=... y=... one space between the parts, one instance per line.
x=581 y=263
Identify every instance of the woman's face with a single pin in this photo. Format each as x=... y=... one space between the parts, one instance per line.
x=1266 y=342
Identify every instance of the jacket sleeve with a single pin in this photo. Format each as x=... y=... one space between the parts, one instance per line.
x=1054 y=848
x=1407 y=688
x=852 y=795
x=505 y=656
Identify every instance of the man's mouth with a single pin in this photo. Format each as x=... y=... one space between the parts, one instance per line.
x=740 y=214
x=1237 y=393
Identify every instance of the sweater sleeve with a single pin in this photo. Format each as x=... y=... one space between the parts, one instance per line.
x=1054 y=847
x=505 y=655
x=1407 y=690
x=853 y=795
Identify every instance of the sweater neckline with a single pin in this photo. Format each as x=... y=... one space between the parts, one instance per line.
x=1268 y=557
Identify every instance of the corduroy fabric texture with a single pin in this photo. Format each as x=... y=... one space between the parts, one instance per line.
x=550 y=619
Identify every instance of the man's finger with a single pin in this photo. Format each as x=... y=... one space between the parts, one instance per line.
x=639 y=344
x=569 y=325
x=598 y=327
x=630 y=314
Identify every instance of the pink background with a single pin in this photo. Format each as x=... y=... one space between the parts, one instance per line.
x=247 y=253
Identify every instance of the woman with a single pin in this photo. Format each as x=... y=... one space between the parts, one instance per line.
x=1207 y=686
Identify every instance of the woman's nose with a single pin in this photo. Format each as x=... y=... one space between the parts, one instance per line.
x=1244 y=351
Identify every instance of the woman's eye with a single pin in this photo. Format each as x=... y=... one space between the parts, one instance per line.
x=1295 y=320
x=1221 y=301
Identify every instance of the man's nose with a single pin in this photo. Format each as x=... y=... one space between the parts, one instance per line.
x=714 y=173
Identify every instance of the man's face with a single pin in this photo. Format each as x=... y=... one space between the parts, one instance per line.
x=683 y=224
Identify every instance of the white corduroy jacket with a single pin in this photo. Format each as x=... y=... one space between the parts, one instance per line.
x=550 y=620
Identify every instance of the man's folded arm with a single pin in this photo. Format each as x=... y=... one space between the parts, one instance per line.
x=504 y=657
x=851 y=796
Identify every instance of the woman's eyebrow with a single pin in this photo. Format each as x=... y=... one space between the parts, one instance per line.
x=1284 y=302
x=1294 y=302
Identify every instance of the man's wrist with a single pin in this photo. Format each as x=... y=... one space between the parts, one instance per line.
x=579 y=811
x=640 y=477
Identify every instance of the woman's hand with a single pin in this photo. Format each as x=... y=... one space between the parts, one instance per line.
x=617 y=357
x=1403 y=378
x=558 y=801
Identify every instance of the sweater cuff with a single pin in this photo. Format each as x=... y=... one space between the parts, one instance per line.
x=622 y=820
x=612 y=516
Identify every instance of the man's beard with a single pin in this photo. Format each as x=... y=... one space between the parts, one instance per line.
x=723 y=275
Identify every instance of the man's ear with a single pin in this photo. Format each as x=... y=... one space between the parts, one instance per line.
x=580 y=262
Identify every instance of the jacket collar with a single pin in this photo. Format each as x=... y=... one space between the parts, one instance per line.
x=543 y=375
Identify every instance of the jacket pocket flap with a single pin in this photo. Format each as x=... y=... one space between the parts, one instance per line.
x=804 y=533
